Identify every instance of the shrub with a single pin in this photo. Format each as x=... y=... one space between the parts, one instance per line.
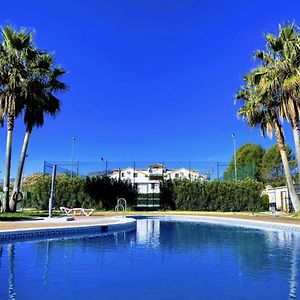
x=105 y=191
x=265 y=201
x=213 y=196
x=95 y=192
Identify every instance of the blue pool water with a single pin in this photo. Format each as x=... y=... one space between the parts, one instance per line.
x=161 y=259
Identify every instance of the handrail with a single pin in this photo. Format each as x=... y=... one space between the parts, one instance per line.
x=121 y=203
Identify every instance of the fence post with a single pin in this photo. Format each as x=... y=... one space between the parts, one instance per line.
x=133 y=181
x=51 y=199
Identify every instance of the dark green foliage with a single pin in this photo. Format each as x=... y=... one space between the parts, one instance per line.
x=104 y=192
x=248 y=161
x=213 y=196
x=166 y=195
x=265 y=200
x=272 y=165
x=95 y=192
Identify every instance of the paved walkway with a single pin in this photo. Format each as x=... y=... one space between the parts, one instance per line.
x=57 y=222
x=244 y=216
x=110 y=219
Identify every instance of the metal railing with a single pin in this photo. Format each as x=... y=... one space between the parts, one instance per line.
x=121 y=204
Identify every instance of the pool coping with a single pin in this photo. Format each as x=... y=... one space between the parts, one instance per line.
x=35 y=233
x=236 y=222
x=110 y=225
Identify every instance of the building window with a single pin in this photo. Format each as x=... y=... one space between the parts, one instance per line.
x=152 y=186
x=135 y=174
x=176 y=175
x=122 y=174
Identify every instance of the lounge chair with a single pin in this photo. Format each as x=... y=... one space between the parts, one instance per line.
x=72 y=211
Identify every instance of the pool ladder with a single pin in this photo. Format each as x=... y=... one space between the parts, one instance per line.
x=121 y=204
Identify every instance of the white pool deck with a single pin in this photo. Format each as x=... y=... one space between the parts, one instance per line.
x=120 y=222
x=63 y=222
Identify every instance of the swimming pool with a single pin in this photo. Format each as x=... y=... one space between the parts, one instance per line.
x=160 y=259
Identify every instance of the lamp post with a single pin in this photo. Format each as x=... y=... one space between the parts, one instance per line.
x=102 y=167
x=234 y=157
x=72 y=154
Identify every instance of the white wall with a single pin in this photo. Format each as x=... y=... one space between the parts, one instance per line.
x=279 y=195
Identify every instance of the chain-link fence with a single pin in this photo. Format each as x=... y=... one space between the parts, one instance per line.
x=209 y=170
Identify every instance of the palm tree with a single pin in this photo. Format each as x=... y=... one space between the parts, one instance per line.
x=15 y=51
x=261 y=108
x=40 y=101
x=283 y=56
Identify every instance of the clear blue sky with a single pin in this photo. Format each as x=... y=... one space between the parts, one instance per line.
x=149 y=80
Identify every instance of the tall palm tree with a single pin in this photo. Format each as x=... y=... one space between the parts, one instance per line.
x=283 y=57
x=15 y=51
x=43 y=83
x=260 y=108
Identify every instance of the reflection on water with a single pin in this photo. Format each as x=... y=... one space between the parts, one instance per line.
x=148 y=232
x=188 y=260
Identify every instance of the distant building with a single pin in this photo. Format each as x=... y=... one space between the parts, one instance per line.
x=148 y=180
x=184 y=173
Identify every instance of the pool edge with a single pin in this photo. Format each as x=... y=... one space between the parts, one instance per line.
x=12 y=235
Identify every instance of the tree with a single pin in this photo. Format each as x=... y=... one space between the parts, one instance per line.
x=272 y=165
x=15 y=52
x=248 y=161
x=260 y=108
x=283 y=57
x=43 y=82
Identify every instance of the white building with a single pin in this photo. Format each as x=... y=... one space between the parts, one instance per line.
x=148 y=180
x=183 y=173
x=278 y=195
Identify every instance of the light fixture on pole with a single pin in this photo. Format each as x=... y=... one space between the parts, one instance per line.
x=72 y=153
x=102 y=167
x=234 y=157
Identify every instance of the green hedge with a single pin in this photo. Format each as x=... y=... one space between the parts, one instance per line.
x=95 y=192
x=242 y=195
x=103 y=192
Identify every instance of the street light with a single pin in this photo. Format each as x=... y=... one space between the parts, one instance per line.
x=72 y=154
x=102 y=159
x=234 y=156
x=102 y=167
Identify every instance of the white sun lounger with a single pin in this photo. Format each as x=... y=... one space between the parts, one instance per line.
x=72 y=211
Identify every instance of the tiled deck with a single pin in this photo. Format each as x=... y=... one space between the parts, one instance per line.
x=60 y=227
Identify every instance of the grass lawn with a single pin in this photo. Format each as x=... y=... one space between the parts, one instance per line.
x=25 y=215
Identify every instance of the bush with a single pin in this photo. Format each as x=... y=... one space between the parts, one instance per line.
x=95 y=192
x=104 y=192
x=265 y=200
x=213 y=196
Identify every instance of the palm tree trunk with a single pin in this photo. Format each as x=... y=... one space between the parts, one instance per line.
x=17 y=183
x=297 y=146
x=281 y=146
x=6 y=180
